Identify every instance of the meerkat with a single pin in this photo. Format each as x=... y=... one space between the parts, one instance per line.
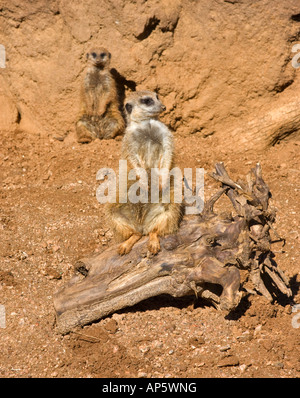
x=100 y=116
x=147 y=144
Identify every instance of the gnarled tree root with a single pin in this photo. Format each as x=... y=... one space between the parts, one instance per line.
x=208 y=250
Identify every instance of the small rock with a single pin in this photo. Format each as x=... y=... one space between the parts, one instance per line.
x=156 y=344
x=171 y=327
x=246 y=336
x=141 y=374
x=52 y=273
x=55 y=248
x=47 y=176
x=195 y=342
x=288 y=309
x=267 y=344
x=111 y=326
x=7 y=278
x=225 y=348
x=243 y=367
x=231 y=360
x=144 y=349
x=199 y=365
x=257 y=329
x=278 y=365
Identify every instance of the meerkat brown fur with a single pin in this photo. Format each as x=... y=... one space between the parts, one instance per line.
x=100 y=116
x=147 y=144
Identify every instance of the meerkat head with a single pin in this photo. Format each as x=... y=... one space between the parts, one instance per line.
x=143 y=105
x=99 y=57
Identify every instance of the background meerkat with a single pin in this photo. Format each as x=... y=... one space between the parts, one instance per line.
x=100 y=116
x=147 y=143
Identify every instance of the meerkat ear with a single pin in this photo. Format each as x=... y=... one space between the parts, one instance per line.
x=128 y=108
x=109 y=55
x=87 y=55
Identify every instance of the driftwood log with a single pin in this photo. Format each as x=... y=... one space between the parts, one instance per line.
x=218 y=257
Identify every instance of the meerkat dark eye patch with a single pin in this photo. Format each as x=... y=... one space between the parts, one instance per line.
x=128 y=108
x=147 y=101
x=94 y=55
x=102 y=55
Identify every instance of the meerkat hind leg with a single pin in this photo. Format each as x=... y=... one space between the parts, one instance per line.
x=109 y=128
x=85 y=131
x=123 y=222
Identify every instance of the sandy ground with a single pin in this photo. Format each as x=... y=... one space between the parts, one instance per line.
x=49 y=217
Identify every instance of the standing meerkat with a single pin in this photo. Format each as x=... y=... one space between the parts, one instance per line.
x=100 y=116
x=147 y=144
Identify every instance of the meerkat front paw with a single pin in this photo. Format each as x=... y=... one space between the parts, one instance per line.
x=153 y=244
x=124 y=248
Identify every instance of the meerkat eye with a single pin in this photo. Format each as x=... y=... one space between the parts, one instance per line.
x=128 y=108
x=94 y=55
x=102 y=55
x=147 y=101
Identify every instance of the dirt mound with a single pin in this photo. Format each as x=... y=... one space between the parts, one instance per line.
x=218 y=66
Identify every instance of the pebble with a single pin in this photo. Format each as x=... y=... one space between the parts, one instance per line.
x=288 y=309
x=231 y=360
x=144 y=349
x=279 y=365
x=195 y=342
x=267 y=344
x=141 y=374
x=243 y=367
x=225 y=348
x=156 y=344
x=246 y=336
x=55 y=248
x=199 y=365
x=111 y=326
x=257 y=329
